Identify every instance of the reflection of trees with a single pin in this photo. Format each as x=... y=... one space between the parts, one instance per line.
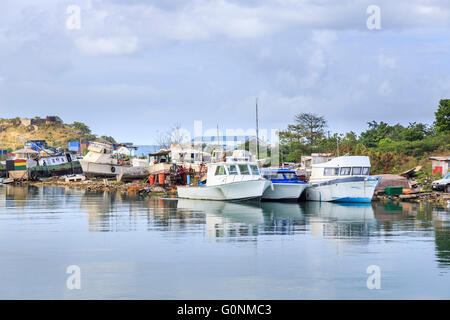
x=442 y=236
x=115 y=211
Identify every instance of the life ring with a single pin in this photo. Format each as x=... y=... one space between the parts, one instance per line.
x=113 y=169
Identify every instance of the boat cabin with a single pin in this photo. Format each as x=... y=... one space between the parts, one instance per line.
x=228 y=172
x=280 y=175
x=341 y=167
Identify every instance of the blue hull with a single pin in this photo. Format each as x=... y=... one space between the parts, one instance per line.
x=349 y=199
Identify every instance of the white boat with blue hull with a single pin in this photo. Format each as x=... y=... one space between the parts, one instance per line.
x=236 y=181
x=285 y=185
x=342 y=179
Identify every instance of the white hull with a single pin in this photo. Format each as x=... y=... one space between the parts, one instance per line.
x=342 y=190
x=284 y=191
x=112 y=170
x=241 y=190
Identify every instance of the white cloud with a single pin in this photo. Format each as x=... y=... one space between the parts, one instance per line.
x=107 y=46
x=386 y=62
x=385 y=88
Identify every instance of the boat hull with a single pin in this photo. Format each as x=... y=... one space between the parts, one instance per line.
x=92 y=169
x=284 y=191
x=354 y=189
x=235 y=191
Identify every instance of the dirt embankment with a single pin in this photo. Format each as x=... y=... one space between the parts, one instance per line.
x=106 y=185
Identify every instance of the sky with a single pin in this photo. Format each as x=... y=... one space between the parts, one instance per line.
x=132 y=68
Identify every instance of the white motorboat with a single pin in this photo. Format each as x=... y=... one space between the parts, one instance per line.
x=234 y=179
x=285 y=185
x=342 y=179
x=101 y=162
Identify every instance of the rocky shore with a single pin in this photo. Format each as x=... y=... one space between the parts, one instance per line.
x=105 y=185
x=435 y=197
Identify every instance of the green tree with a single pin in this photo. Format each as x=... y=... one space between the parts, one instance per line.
x=308 y=127
x=377 y=131
x=81 y=127
x=108 y=138
x=414 y=132
x=442 y=122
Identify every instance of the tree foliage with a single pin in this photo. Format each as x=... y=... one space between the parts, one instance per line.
x=442 y=122
x=81 y=127
x=388 y=146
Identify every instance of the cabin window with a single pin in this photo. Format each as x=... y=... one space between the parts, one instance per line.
x=356 y=171
x=232 y=169
x=365 y=171
x=220 y=171
x=243 y=168
x=331 y=172
x=345 y=171
x=254 y=169
x=290 y=176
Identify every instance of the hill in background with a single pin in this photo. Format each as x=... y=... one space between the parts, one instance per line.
x=15 y=132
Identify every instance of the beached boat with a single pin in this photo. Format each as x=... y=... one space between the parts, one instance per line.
x=101 y=162
x=342 y=179
x=285 y=185
x=230 y=180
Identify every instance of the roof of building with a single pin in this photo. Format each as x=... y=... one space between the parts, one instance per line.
x=444 y=158
x=30 y=151
x=345 y=161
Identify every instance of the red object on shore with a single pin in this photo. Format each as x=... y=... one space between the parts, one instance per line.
x=161 y=178
x=151 y=180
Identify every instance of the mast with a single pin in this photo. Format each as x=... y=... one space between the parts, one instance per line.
x=257 y=131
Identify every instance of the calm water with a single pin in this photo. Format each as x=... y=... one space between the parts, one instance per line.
x=131 y=248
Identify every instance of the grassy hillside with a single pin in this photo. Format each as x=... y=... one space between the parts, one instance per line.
x=57 y=134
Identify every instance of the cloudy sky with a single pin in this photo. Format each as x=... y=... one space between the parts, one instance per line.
x=138 y=66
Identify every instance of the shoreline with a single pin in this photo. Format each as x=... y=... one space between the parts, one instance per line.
x=101 y=186
x=138 y=188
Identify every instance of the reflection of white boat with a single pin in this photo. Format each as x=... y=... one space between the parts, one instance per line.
x=232 y=212
x=285 y=185
x=232 y=180
x=101 y=162
x=355 y=212
x=340 y=220
x=342 y=179
x=282 y=210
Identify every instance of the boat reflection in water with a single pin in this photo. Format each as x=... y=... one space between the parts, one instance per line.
x=339 y=220
x=227 y=219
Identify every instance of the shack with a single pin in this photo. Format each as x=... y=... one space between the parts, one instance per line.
x=392 y=180
x=440 y=165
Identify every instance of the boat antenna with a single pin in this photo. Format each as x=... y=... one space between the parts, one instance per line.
x=257 y=131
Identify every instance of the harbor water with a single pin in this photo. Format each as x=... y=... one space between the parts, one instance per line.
x=130 y=247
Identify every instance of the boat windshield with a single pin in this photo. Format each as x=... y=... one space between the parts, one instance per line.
x=232 y=169
x=331 y=172
x=243 y=168
x=254 y=169
x=356 y=171
x=345 y=171
x=274 y=175
x=365 y=171
x=220 y=171
x=290 y=176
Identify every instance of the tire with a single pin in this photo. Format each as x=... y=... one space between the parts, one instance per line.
x=447 y=188
x=113 y=169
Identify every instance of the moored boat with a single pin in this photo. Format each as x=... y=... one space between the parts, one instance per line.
x=285 y=185
x=342 y=179
x=231 y=180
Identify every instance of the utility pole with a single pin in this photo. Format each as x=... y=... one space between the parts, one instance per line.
x=257 y=131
